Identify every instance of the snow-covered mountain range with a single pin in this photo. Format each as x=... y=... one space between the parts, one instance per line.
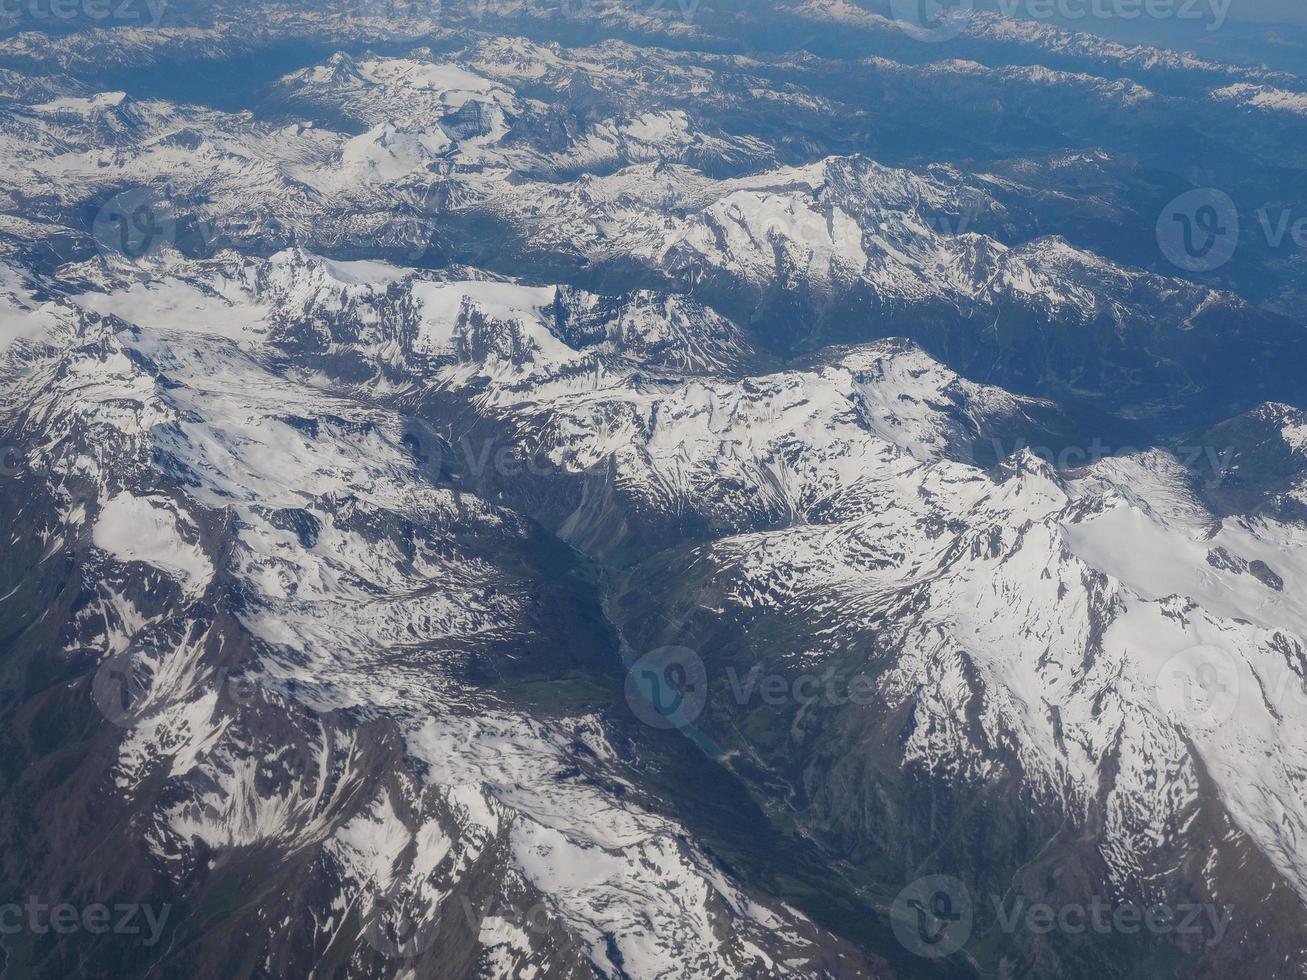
x=363 y=422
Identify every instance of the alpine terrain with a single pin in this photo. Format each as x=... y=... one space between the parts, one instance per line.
x=645 y=490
